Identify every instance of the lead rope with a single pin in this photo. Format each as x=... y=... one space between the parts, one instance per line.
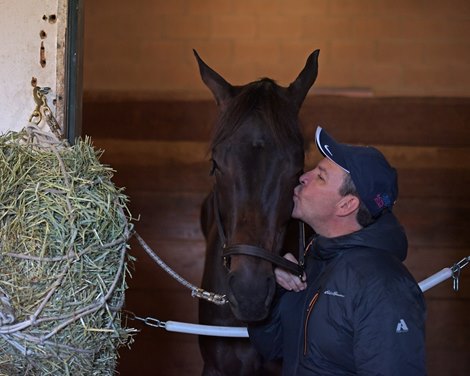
x=196 y=292
x=182 y=327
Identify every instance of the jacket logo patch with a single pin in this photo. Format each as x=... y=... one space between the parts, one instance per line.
x=402 y=327
x=333 y=293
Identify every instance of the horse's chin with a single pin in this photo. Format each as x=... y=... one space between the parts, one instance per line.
x=251 y=302
x=249 y=316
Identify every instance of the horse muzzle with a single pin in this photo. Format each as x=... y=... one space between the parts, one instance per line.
x=250 y=294
x=251 y=284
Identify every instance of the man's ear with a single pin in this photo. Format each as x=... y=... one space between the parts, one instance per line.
x=347 y=205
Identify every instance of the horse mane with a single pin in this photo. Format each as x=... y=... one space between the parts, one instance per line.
x=268 y=101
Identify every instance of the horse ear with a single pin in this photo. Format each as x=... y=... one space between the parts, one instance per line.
x=302 y=84
x=220 y=88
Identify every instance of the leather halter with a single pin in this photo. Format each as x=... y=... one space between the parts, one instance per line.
x=255 y=251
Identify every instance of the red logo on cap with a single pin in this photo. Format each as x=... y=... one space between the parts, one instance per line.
x=379 y=201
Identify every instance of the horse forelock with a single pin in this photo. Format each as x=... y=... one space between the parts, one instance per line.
x=268 y=102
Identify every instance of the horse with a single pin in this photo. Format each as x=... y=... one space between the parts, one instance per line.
x=257 y=156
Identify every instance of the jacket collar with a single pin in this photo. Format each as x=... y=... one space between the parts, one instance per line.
x=385 y=233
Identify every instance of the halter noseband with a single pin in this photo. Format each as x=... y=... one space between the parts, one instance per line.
x=255 y=251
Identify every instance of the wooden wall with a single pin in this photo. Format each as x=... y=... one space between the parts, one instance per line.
x=159 y=151
x=393 y=47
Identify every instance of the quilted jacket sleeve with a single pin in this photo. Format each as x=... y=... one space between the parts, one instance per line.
x=267 y=336
x=389 y=331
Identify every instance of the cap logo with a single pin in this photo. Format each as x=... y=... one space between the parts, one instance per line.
x=382 y=200
x=327 y=148
x=379 y=201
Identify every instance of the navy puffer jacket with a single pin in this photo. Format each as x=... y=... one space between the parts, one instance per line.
x=361 y=314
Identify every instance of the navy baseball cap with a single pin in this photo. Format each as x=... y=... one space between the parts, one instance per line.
x=375 y=180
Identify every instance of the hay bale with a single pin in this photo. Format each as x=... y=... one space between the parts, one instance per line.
x=64 y=228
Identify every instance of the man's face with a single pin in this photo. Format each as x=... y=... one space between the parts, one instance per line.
x=317 y=195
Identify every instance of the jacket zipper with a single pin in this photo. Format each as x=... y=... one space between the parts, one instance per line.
x=309 y=311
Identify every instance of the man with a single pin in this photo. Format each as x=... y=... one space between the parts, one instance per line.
x=359 y=311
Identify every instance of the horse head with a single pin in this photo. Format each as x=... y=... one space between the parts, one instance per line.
x=257 y=157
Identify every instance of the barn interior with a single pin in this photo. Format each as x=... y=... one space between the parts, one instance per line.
x=393 y=74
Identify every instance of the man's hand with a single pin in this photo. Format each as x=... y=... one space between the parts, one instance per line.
x=288 y=280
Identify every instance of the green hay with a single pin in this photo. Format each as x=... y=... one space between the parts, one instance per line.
x=64 y=228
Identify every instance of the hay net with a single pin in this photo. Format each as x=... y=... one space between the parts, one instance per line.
x=64 y=229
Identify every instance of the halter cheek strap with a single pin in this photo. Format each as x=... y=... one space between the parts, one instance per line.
x=255 y=251
x=251 y=250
